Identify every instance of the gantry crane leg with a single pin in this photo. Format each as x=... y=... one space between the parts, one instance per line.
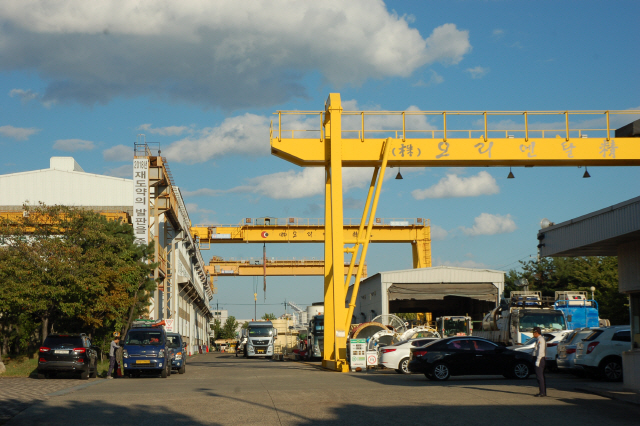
x=337 y=316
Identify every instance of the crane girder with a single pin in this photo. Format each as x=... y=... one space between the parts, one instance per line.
x=281 y=268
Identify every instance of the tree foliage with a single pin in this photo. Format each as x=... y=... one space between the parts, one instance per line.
x=268 y=317
x=579 y=274
x=230 y=327
x=71 y=270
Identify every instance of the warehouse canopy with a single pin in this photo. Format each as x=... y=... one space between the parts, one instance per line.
x=438 y=291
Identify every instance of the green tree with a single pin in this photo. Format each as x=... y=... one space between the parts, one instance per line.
x=229 y=328
x=72 y=269
x=217 y=329
x=268 y=317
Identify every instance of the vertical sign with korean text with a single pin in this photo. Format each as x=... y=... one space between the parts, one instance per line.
x=140 y=217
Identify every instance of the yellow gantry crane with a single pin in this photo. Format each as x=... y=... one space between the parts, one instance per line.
x=333 y=147
x=415 y=231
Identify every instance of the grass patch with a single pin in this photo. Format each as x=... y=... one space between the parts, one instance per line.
x=23 y=366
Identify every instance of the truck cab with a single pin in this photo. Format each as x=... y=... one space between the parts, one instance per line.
x=146 y=350
x=315 y=337
x=450 y=326
x=578 y=309
x=261 y=336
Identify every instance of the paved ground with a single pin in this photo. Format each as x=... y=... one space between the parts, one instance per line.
x=222 y=389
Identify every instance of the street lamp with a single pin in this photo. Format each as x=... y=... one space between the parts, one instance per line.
x=592 y=290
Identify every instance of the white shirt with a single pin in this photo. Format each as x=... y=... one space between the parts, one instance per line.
x=540 y=349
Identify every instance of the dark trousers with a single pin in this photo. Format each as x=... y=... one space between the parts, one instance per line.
x=540 y=377
x=112 y=364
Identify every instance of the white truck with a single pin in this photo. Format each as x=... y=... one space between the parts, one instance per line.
x=513 y=321
x=260 y=337
x=449 y=326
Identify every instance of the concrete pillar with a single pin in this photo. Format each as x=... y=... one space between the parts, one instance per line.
x=629 y=283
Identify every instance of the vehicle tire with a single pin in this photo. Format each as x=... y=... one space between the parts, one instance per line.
x=163 y=373
x=84 y=375
x=520 y=370
x=440 y=372
x=41 y=376
x=182 y=369
x=403 y=366
x=611 y=369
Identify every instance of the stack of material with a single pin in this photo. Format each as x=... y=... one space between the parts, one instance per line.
x=287 y=339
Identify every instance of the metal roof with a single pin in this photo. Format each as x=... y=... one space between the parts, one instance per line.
x=594 y=234
x=442 y=274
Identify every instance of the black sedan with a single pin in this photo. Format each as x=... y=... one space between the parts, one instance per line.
x=461 y=356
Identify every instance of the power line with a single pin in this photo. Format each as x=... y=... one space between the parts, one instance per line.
x=509 y=264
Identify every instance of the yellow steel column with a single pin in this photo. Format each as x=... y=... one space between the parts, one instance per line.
x=328 y=353
x=337 y=321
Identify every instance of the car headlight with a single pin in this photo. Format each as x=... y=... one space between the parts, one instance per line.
x=178 y=356
x=125 y=353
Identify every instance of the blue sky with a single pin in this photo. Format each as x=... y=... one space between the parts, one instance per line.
x=202 y=78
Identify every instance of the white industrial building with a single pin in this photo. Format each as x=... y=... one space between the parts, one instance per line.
x=440 y=290
x=185 y=289
x=612 y=231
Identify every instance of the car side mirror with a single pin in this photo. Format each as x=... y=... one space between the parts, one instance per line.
x=275 y=332
x=569 y=318
x=184 y=344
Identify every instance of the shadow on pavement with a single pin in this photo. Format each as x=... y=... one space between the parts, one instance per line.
x=106 y=414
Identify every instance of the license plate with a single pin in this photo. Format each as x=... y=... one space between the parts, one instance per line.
x=260 y=351
x=143 y=361
x=61 y=352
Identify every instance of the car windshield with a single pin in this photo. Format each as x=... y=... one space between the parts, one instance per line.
x=144 y=337
x=173 y=341
x=71 y=341
x=260 y=331
x=552 y=321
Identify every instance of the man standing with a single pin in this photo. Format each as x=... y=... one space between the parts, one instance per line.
x=539 y=354
x=115 y=344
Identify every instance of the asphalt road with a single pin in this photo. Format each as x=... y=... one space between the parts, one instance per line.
x=223 y=389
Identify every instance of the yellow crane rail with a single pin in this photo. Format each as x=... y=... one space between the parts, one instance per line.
x=254 y=267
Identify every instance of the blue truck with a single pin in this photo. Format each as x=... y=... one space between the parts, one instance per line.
x=579 y=311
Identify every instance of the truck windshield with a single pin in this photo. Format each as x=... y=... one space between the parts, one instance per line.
x=455 y=327
x=260 y=331
x=319 y=328
x=143 y=337
x=551 y=321
x=173 y=341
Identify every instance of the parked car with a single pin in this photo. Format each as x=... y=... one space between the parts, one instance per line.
x=146 y=351
x=552 y=338
x=67 y=353
x=567 y=350
x=396 y=356
x=600 y=353
x=458 y=356
x=178 y=354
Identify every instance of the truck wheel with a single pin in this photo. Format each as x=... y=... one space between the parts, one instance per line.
x=611 y=369
x=182 y=369
x=163 y=374
x=84 y=375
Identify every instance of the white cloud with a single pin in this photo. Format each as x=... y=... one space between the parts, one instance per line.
x=490 y=224
x=497 y=33
x=434 y=79
x=246 y=134
x=221 y=53
x=164 y=131
x=24 y=95
x=17 y=133
x=118 y=153
x=308 y=182
x=125 y=171
x=453 y=186
x=438 y=233
x=477 y=72
x=72 y=145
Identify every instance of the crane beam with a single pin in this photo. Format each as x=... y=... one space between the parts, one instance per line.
x=417 y=232
x=249 y=268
